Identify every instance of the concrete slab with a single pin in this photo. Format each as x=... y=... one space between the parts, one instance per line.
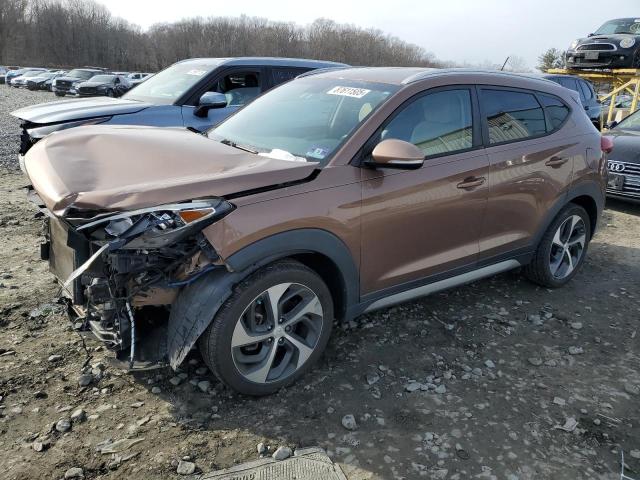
x=306 y=464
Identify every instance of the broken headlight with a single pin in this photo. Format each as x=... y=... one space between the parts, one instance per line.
x=41 y=132
x=156 y=227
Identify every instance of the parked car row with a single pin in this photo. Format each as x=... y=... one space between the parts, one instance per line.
x=277 y=210
x=77 y=82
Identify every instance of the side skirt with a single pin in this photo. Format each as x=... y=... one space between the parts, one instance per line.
x=450 y=282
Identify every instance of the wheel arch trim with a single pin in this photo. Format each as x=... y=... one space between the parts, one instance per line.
x=198 y=303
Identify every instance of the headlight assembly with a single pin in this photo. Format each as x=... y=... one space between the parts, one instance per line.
x=574 y=44
x=41 y=132
x=156 y=227
x=627 y=42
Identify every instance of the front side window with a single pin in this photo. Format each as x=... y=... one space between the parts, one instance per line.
x=240 y=88
x=437 y=123
x=511 y=115
x=306 y=119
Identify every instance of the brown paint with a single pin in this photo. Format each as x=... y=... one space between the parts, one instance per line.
x=398 y=225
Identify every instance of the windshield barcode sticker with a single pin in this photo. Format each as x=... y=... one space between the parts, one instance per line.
x=349 y=92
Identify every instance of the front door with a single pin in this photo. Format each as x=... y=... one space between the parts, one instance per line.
x=418 y=224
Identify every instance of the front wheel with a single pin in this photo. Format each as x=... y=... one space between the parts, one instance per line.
x=562 y=249
x=271 y=331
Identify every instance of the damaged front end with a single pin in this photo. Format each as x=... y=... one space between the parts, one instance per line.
x=122 y=270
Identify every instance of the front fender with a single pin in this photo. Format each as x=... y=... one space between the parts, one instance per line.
x=198 y=303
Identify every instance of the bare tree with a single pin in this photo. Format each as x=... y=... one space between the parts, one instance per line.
x=67 y=33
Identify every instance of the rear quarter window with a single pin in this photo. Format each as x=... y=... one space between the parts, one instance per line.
x=512 y=115
x=557 y=111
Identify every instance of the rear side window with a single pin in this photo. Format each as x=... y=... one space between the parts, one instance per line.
x=512 y=115
x=557 y=111
x=586 y=90
x=281 y=75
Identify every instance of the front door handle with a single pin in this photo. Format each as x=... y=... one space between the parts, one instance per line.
x=556 y=162
x=471 y=182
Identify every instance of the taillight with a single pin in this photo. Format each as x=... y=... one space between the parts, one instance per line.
x=606 y=144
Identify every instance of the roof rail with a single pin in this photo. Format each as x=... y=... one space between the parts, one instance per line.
x=321 y=70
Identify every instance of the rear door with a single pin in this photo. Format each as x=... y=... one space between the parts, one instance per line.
x=531 y=165
x=418 y=224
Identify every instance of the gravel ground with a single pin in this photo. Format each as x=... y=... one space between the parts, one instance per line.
x=495 y=380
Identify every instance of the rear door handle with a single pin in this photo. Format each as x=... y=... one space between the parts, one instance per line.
x=471 y=182
x=556 y=162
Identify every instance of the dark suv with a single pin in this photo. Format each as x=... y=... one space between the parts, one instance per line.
x=335 y=194
x=616 y=44
x=66 y=85
x=588 y=95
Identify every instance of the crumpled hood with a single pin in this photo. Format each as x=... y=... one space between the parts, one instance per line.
x=70 y=110
x=112 y=168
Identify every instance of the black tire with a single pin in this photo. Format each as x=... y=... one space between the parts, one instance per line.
x=58 y=94
x=110 y=93
x=539 y=270
x=215 y=342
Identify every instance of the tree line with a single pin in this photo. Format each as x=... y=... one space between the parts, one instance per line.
x=68 y=33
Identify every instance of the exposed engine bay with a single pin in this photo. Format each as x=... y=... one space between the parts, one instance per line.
x=120 y=271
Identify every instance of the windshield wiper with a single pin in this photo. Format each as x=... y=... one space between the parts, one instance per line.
x=225 y=141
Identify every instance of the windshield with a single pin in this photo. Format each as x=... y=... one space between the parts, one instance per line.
x=171 y=83
x=103 y=78
x=622 y=25
x=308 y=118
x=83 y=74
x=34 y=73
x=632 y=122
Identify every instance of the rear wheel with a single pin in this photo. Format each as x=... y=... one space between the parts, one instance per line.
x=272 y=329
x=562 y=249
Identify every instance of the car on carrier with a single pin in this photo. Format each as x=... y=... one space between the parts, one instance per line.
x=196 y=93
x=616 y=44
x=336 y=194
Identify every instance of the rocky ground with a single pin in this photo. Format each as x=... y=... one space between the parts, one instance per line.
x=499 y=379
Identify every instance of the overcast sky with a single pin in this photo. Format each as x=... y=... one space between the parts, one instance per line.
x=472 y=31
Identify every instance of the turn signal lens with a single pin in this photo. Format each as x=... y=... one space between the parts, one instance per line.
x=189 y=216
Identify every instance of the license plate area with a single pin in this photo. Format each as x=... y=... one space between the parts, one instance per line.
x=592 y=55
x=615 y=181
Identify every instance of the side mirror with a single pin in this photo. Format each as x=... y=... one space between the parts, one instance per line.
x=393 y=153
x=611 y=125
x=209 y=100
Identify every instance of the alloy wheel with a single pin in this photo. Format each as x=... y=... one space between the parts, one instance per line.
x=277 y=333
x=567 y=247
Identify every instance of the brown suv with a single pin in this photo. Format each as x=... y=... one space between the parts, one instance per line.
x=338 y=193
